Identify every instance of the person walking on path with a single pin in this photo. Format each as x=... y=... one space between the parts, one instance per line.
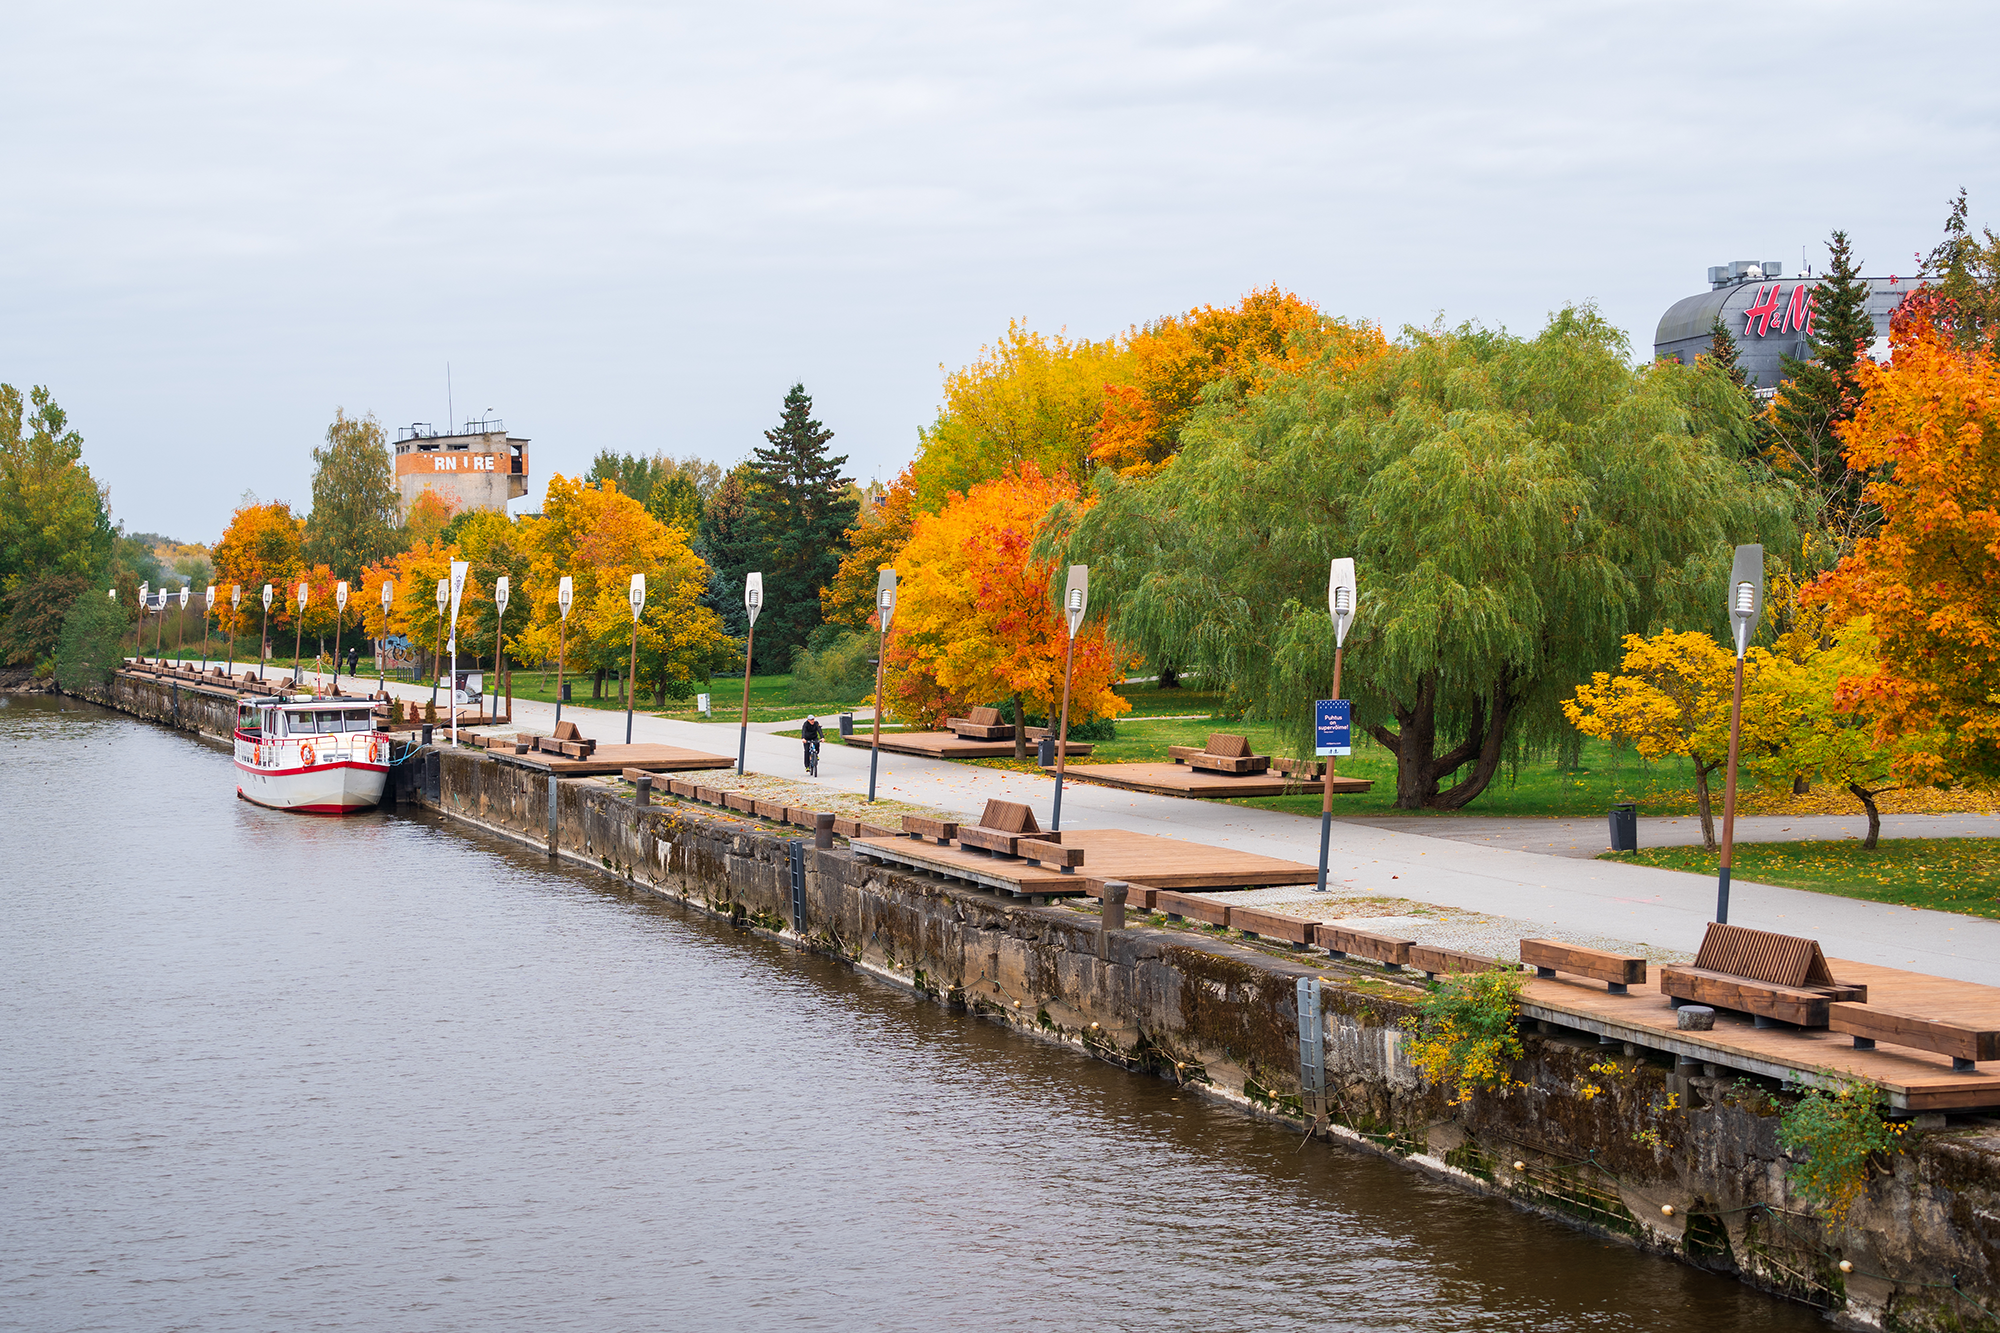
x=810 y=734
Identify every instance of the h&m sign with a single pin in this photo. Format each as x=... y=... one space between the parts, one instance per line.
x=1772 y=313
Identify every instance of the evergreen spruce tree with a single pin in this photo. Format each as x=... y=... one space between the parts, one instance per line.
x=1722 y=351
x=732 y=543
x=1966 y=280
x=801 y=506
x=1821 y=393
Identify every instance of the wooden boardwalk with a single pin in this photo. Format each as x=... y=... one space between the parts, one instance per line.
x=614 y=758
x=1181 y=780
x=1914 y=1080
x=946 y=745
x=1166 y=863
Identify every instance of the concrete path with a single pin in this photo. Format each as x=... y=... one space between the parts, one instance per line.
x=1585 y=838
x=1562 y=893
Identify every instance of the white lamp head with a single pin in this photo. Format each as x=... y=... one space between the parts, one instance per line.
x=885 y=597
x=1746 y=595
x=500 y=588
x=753 y=596
x=340 y=594
x=636 y=595
x=563 y=595
x=1340 y=597
x=269 y=597
x=1076 y=596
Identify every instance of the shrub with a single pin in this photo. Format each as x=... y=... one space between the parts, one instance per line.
x=1464 y=1032
x=840 y=671
x=1833 y=1132
x=91 y=644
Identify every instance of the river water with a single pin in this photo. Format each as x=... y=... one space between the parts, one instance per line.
x=272 y=1072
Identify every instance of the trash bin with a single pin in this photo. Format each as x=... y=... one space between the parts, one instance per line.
x=1625 y=827
x=565 y=698
x=1045 y=752
x=847 y=724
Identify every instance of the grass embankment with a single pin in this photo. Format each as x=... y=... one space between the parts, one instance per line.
x=1948 y=874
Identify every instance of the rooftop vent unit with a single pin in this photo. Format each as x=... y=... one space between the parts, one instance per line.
x=1744 y=270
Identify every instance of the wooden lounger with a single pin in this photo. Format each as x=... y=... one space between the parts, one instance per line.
x=1771 y=977
x=1001 y=827
x=983 y=725
x=1224 y=753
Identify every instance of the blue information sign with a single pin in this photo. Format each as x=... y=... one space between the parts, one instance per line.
x=1331 y=719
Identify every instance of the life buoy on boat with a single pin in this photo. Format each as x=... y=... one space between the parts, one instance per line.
x=306 y=755
x=374 y=752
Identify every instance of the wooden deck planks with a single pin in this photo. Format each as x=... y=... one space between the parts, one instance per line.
x=1179 y=780
x=613 y=759
x=1162 y=863
x=945 y=745
x=1915 y=1080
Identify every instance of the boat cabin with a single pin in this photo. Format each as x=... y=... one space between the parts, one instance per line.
x=272 y=719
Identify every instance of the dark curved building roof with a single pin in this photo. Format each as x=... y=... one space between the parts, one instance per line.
x=1768 y=317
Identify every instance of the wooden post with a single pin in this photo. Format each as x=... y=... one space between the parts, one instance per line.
x=298 y=639
x=562 y=650
x=336 y=650
x=498 y=621
x=632 y=682
x=264 y=643
x=1729 y=798
x=1326 y=793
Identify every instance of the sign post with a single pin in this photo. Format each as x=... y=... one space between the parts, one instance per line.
x=1746 y=608
x=206 y=613
x=180 y=625
x=264 y=647
x=753 y=602
x=139 y=625
x=885 y=607
x=499 y=619
x=382 y=666
x=443 y=600
x=459 y=568
x=159 y=625
x=563 y=594
x=637 y=597
x=339 y=609
x=1336 y=712
x=1076 y=599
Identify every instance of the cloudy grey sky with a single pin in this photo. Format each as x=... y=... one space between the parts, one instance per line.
x=633 y=226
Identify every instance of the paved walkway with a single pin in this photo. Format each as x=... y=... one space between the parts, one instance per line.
x=1585 y=838
x=1662 y=908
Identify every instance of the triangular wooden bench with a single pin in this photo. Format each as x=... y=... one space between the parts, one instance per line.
x=1774 y=978
x=983 y=725
x=1224 y=753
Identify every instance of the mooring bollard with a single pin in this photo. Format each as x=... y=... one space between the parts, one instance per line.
x=642 y=791
x=427 y=733
x=822 y=831
x=1695 y=1018
x=1115 y=892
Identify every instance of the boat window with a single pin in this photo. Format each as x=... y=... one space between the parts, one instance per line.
x=330 y=722
x=362 y=720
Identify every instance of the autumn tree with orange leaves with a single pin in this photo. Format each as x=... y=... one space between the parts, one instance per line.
x=977 y=618
x=261 y=545
x=1928 y=431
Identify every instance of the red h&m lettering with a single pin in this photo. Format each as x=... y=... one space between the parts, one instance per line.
x=1765 y=306
x=1799 y=314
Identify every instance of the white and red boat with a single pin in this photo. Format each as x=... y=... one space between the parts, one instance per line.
x=313 y=756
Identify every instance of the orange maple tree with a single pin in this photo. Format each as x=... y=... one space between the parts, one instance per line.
x=977 y=617
x=1928 y=430
x=261 y=545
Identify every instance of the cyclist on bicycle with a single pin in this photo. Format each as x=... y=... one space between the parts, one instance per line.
x=810 y=734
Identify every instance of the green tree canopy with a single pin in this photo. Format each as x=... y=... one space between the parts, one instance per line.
x=1821 y=393
x=1515 y=507
x=355 y=508
x=55 y=528
x=801 y=507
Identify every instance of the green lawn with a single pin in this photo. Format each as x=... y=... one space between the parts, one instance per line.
x=1949 y=874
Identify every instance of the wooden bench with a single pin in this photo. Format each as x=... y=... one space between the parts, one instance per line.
x=1179 y=906
x=1305 y=770
x=1619 y=972
x=1340 y=941
x=1001 y=827
x=1259 y=924
x=1224 y=753
x=1867 y=1024
x=1771 y=977
x=940 y=831
x=1048 y=851
x=1138 y=897
x=983 y=725
x=1433 y=961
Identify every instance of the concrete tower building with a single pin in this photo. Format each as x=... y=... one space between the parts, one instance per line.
x=480 y=467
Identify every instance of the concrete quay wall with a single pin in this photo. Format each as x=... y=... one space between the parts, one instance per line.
x=1602 y=1139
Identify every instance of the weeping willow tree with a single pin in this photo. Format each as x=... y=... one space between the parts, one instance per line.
x=1515 y=507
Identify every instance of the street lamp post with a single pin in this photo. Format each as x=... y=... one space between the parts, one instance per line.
x=1746 y=607
x=159 y=625
x=235 y=614
x=1076 y=597
x=562 y=639
x=1340 y=589
x=339 y=610
x=885 y=607
x=753 y=602
x=637 y=597
x=264 y=635
x=443 y=600
x=499 y=622
x=381 y=644
x=180 y=626
x=458 y=572
x=299 y=635
x=207 y=613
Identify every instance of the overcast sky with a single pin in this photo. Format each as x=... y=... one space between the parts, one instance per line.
x=633 y=226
